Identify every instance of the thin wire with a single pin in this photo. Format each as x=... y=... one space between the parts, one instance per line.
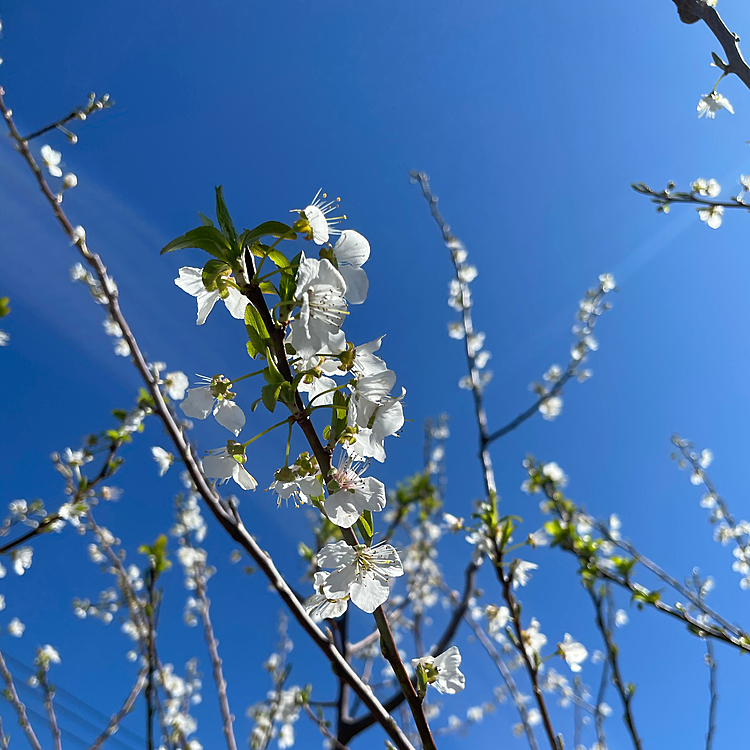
x=75 y=699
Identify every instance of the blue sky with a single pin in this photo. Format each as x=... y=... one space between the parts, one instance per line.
x=532 y=121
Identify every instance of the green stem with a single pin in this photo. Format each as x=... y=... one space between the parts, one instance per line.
x=249 y=375
x=266 y=431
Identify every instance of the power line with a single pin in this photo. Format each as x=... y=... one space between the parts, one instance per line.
x=75 y=716
x=60 y=709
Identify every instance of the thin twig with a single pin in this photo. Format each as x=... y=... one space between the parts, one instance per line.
x=15 y=701
x=531 y=667
x=49 y=693
x=625 y=691
x=4 y=739
x=321 y=724
x=505 y=673
x=126 y=708
x=187 y=453
x=213 y=649
x=713 y=692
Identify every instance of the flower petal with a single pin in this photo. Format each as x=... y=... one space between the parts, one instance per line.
x=229 y=415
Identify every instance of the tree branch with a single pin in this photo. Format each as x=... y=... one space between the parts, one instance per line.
x=234 y=527
x=15 y=701
x=691 y=11
x=127 y=707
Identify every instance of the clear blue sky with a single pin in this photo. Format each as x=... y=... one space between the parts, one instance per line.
x=532 y=120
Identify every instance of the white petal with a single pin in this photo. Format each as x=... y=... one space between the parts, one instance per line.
x=206 y=302
x=190 y=280
x=236 y=303
x=198 y=403
x=219 y=467
x=243 y=478
x=357 y=284
x=229 y=415
x=335 y=554
x=339 y=582
x=341 y=507
x=351 y=249
x=368 y=593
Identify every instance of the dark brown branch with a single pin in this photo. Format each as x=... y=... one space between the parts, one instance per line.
x=691 y=11
x=229 y=521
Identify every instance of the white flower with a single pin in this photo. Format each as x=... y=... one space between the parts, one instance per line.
x=706 y=458
x=551 y=407
x=4 y=338
x=351 y=252
x=442 y=671
x=361 y=572
x=555 y=474
x=176 y=383
x=69 y=181
x=453 y=523
x=301 y=488
x=321 y=607
x=386 y=420
x=712 y=216
x=190 y=280
x=520 y=570
x=16 y=628
x=710 y=104
x=533 y=639
x=48 y=654
x=356 y=494
x=621 y=618
x=122 y=349
x=497 y=619
x=21 y=558
x=316 y=224
x=711 y=188
x=79 y=234
x=320 y=293
x=456 y=330
x=201 y=401
x=51 y=159
x=573 y=652
x=163 y=458
x=219 y=464
x=607 y=281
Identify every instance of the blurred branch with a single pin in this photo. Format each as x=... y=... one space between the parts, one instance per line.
x=127 y=707
x=49 y=694
x=626 y=692
x=213 y=650
x=15 y=701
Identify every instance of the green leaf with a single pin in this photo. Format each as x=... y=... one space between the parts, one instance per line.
x=267 y=229
x=365 y=526
x=209 y=239
x=225 y=220
x=206 y=221
x=270 y=395
x=212 y=271
x=256 y=332
x=4 y=306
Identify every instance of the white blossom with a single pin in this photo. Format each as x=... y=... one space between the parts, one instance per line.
x=573 y=652
x=163 y=458
x=710 y=104
x=356 y=494
x=51 y=159
x=320 y=292
x=712 y=215
x=21 y=558
x=220 y=465
x=16 y=628
x=442 y=671
x=214 y=397
x=361 y=572
x=317 y=225
x=190 y=280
